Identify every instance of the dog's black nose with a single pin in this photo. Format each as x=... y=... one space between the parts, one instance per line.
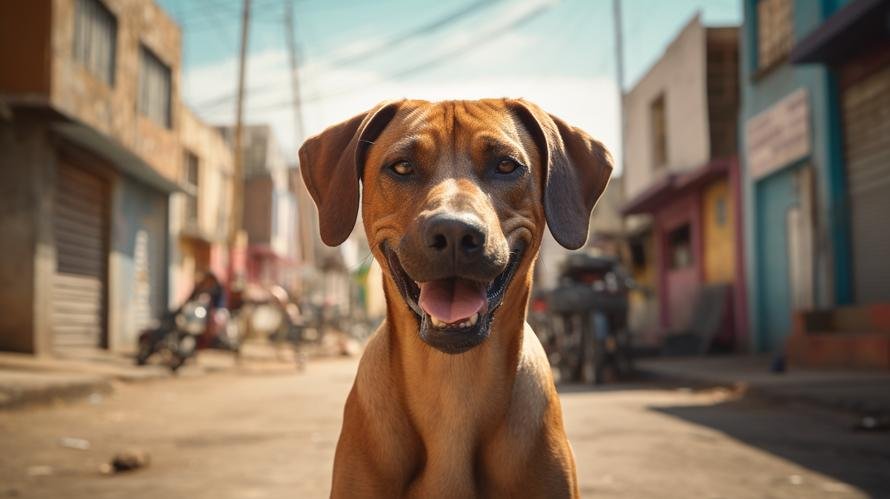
x=459 y=235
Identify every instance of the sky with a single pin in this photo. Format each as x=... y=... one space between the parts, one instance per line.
x=355 y=53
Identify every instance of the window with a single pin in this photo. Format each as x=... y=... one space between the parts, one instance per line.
x=659 y=132
x=680 y=247
x=192 y=182
x=774 y=32
x=95 y=36
x=154 y=87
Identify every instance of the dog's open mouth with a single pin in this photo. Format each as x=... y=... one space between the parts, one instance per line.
x=454 y=313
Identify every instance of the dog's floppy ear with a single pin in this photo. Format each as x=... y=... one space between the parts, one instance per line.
x=577 y=171
x=331 y=164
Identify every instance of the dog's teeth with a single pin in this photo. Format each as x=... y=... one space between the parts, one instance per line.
x=437 y=322
x=473 y=319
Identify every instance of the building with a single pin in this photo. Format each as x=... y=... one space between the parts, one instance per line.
x=89 y=154
x=682 y=189
x=270 y=209
x=816 y=149
x=200 y=216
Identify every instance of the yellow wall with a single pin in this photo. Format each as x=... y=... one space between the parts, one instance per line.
x=719 y=239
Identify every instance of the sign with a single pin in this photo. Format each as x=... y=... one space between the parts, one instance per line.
x=779 y=135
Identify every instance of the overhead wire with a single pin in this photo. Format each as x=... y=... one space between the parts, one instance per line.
x=481 y=39
x=385 y=45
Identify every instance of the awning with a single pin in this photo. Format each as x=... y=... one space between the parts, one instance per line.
x=122 y=158
x=673 y=185
x=859 y=25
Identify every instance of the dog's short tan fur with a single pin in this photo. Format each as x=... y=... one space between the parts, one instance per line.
x=486 y=422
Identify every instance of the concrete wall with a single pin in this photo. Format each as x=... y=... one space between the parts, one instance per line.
x=680 y=74
x=25 y=165
x=205 y=249
x=215 y=165
x=25 y=24
x=113 y=109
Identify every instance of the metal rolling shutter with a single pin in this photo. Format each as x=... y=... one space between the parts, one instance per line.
x=867 y=140
x=78 y=288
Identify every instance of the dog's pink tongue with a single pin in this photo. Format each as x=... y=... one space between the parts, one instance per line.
x=451 y=300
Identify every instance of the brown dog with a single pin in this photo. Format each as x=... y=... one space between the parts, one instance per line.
x=454 y=396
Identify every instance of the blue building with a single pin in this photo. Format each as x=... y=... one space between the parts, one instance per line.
x=815 y=136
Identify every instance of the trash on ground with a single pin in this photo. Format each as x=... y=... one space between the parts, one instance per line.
x=128 y=460
x=74 y=443
x=40 y=470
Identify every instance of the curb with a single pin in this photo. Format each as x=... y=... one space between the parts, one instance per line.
x=20 y=389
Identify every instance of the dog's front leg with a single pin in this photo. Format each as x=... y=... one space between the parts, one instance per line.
x=358 y=470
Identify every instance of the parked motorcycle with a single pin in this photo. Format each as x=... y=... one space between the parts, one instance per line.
x=182 y=332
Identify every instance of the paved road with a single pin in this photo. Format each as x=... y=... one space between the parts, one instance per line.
x=271 y=435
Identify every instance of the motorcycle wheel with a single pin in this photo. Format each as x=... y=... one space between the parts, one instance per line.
x=182 y=346
x=146 y=348
x=176 y=361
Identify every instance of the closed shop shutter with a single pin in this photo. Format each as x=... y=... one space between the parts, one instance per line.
x=866 y=111
x=80 y=228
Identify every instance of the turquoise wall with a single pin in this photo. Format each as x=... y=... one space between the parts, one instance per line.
x=767 y=266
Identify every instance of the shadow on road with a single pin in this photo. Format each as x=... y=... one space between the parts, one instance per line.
x=822 y=441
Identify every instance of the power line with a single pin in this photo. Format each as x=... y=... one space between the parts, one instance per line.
x=385 y=45
x=476 y=42
x=423 y=30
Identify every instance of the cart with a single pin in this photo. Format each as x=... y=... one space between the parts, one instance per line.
x=584 y=329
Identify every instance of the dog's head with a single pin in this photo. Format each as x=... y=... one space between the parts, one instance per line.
x=455 y=197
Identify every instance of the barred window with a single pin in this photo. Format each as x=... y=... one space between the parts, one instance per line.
x=154 y=87
x=775 y=32
x=95 y=36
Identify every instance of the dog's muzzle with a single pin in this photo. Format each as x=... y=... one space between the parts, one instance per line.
x=455 y=312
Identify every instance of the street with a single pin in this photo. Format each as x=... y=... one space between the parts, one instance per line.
x=259 y=434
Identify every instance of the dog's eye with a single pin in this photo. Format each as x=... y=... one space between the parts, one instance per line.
x=507 y=166
x=402 y=168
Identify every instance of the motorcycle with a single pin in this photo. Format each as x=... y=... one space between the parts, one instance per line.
x=182 y=332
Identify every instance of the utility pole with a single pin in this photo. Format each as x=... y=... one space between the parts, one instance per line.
x=304 y=212
x=294 y=75
x=619 y=68
x=238 y=169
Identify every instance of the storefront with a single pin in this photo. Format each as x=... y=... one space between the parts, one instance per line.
x=865 y=101
x=779 y=156
x=79 y=290
x=853 y=46
x=95 y=234
x=697 y=248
